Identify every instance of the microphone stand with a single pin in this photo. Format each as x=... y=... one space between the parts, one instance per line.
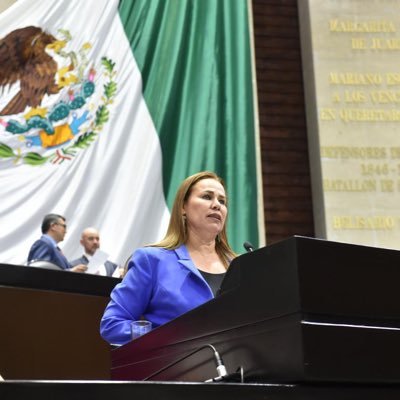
x=221 y=369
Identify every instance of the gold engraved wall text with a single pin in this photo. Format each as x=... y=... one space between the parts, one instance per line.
x=353 y=117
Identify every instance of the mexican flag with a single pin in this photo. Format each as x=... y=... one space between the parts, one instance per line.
x=114 y=104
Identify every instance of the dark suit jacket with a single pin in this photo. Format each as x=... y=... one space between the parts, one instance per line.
x=110 y=267
x=43 y=249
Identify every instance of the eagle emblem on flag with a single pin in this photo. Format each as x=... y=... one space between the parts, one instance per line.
x=50 y=107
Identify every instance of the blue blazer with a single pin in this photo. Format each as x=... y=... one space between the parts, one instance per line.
x=45 y=249
x=160 y=285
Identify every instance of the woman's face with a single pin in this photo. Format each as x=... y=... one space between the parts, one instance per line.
x=205 y=208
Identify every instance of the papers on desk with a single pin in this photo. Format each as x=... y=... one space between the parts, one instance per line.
x=96 y=261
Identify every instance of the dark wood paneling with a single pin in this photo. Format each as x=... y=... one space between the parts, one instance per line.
x=52 y=335
x=50 y=324
x=283 y=131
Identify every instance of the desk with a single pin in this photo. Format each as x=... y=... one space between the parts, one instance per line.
x=50 y=324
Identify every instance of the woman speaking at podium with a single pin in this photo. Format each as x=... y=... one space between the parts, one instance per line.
x=182 y=271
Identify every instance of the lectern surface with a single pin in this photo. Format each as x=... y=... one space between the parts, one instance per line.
x=106 y=390
x=302 y=310
x=63 y=281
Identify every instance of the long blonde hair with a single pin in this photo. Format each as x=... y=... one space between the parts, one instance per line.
x=177 y=233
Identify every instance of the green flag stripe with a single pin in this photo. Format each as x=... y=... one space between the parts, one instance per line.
x=194 y=57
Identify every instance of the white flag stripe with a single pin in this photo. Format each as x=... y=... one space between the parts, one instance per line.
x=115 y=184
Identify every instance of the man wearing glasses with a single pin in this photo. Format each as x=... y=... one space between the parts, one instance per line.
x=46 y=248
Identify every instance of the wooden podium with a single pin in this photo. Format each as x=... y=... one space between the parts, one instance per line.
x=301 y=310
x=50 y=324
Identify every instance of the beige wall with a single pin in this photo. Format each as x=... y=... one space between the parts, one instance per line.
x=351 y=62
x=5 y=4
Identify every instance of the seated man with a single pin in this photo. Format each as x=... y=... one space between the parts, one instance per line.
x=46 y=248
x=90 y=240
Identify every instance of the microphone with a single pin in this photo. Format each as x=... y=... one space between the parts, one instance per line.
x=248 y=246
